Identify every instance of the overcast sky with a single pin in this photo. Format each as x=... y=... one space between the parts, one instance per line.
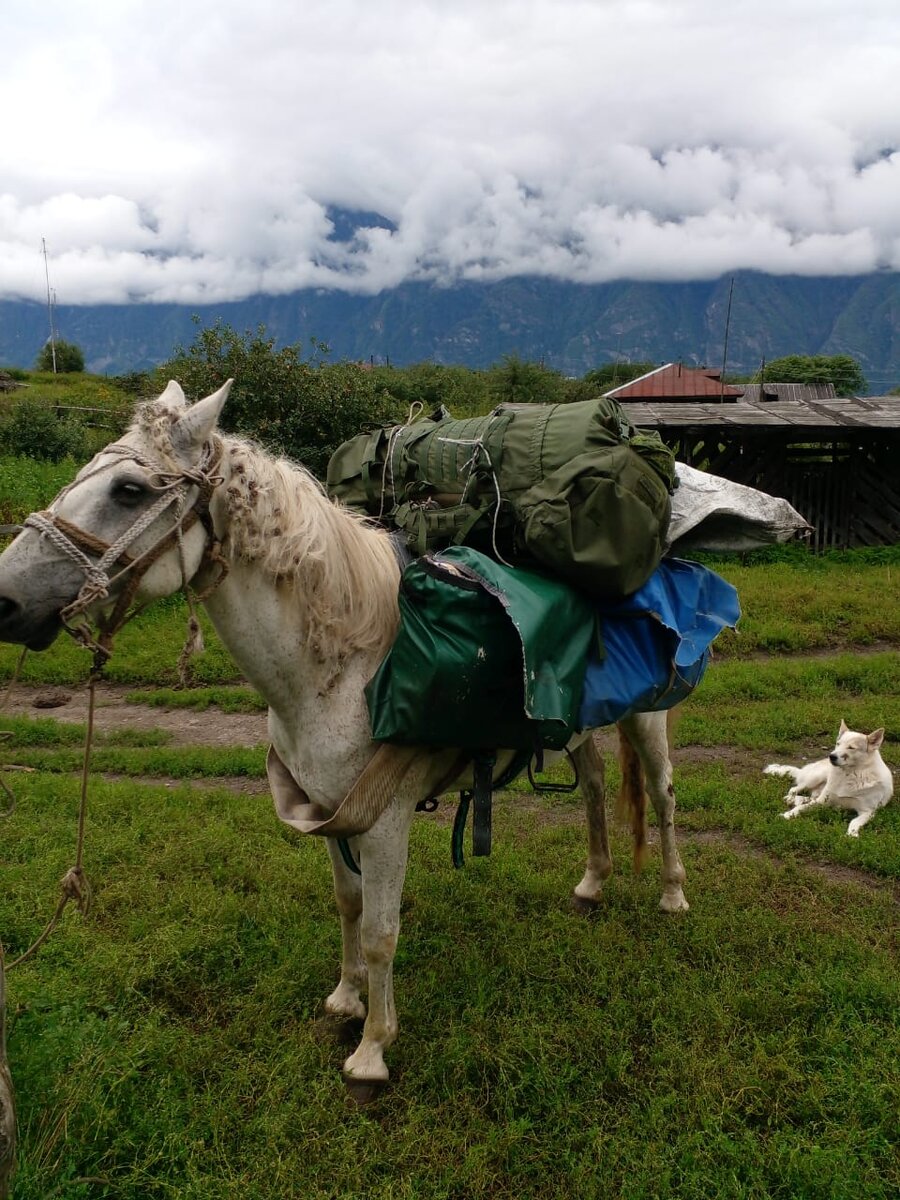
x=191 y=150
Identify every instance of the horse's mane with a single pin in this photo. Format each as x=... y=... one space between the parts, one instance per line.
x=342 y=568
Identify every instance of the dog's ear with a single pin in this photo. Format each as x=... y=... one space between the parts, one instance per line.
x=843 y=729
x=875 y=739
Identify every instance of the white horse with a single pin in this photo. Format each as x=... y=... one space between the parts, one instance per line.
x=308 y=609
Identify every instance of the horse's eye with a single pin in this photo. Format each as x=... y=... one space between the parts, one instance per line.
x=128 y=493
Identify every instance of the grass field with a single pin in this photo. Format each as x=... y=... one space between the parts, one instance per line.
x=171 y=1044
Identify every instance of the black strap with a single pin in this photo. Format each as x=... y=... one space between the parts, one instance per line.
x=482 y=795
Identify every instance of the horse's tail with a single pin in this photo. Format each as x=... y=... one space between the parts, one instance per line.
x=631 y=802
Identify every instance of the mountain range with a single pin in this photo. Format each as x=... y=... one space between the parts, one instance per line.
x=571 y=327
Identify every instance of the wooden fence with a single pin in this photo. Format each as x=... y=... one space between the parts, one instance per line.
x=848 y=489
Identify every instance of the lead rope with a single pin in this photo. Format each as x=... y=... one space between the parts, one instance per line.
x=74 y=885
x=4 y=787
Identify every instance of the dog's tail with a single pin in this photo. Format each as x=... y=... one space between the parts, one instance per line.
x=780 y=769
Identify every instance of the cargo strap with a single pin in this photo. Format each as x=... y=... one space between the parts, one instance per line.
x=481 y=793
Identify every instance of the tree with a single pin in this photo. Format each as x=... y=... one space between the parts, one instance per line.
x=69 y=358
x=840 y=369
x=462 y=390
x=298 y=406
x=514 y=381
x=614 y=374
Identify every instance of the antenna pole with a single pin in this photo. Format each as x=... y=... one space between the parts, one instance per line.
x=49 y=305
x=725 y=345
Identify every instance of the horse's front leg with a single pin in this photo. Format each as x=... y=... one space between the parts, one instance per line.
x=648 y=733
x=383 y=853
x=345 y=1001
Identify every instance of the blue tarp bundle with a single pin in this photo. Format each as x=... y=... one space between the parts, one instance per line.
x=489 y=656
x=656 y=642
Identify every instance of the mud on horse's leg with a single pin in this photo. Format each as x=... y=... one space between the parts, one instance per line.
x=648 y=733
x=383 y=854
x=592 y=775
x=345 y=1001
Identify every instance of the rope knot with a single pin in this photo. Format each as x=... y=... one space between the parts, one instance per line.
x=75 y=886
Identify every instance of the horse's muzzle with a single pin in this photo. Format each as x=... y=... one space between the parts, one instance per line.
x=18 y=626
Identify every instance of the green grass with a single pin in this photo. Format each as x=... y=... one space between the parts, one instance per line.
x=813 y=603
x=168 y=1046
x=783 y=703
x=146 y=653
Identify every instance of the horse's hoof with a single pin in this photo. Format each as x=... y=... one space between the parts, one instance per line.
x=585 y=907
x=675 y=903
x=363 y=1091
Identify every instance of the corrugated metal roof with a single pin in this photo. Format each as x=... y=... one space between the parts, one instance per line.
x=676 y=381
x=870 y=413
x=787 y=391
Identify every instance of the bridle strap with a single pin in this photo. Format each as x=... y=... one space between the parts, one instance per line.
x=77 y=544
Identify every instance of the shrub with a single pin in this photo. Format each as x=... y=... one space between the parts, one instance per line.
x=39 y=431
x=297 y=406
x=69 y=358
x=136 y=383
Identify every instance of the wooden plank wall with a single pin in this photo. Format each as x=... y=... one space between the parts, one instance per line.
x=850 y=491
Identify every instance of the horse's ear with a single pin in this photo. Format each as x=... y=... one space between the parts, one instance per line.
x=196 y=424
x=173 y=395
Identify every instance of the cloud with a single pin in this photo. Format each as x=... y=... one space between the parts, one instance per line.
x=190 y=153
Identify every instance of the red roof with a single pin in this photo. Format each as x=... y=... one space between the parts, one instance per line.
x=676 y=381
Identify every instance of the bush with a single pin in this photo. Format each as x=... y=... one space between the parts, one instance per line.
x=39 y=431
x=69 y=358
x=462 y=390
x=297 y=406
x=135 y=383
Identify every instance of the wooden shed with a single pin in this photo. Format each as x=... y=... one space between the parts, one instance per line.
x=836 y=460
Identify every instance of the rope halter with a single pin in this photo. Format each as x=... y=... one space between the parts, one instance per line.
x=79 y=545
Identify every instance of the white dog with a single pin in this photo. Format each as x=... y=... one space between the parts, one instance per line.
x=853 y=776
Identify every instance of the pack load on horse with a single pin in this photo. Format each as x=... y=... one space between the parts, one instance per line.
x=304 y=595
x=573 y=489
x=539 y=606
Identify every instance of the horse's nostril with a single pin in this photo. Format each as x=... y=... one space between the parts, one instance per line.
x=8 y=609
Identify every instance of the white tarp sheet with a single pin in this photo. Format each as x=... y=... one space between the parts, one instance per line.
x=711 y=513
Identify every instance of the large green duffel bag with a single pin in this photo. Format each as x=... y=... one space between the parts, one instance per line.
x=571 y=488
x=484 y=657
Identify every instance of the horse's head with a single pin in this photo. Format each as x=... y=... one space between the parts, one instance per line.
x=125 y=529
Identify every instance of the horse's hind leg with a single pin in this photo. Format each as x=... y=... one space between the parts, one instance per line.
x=592 y=776
x=345 y=1001
x=648 y=733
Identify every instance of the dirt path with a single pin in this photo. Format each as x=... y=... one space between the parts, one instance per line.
x=210 y=727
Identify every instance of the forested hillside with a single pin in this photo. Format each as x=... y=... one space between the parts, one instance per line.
x=569 y=327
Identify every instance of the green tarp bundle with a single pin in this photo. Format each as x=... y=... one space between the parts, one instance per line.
x=570 y=488
x=485 y=656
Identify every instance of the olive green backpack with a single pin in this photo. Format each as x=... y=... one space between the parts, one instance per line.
x=573 y=489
